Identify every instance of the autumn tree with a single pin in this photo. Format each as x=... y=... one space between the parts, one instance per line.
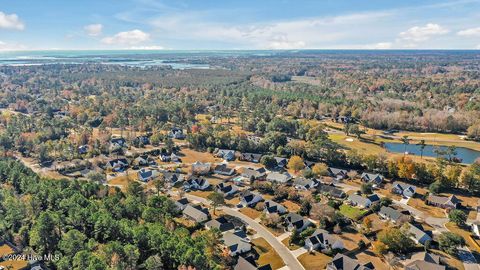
x=296 y=163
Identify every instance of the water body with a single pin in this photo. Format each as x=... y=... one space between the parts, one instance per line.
x=467 y=155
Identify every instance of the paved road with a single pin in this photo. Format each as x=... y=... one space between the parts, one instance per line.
x=287 y=256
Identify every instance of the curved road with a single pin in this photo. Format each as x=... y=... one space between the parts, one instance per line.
x=288 y=258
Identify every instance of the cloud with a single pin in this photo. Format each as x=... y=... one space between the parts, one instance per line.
x=132 y=37
x=11 y=21
x=471 y=32
x=153 y=47
x=4 y=46
x=93 y=30
x=379 y=46
x=422 y=33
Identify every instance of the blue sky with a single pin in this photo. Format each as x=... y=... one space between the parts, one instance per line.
x=242 y=24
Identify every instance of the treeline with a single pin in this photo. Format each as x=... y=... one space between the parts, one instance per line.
x=91 y=226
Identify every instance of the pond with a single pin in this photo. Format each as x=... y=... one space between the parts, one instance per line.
x=466 y=155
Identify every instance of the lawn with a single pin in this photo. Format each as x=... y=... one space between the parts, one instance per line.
x=352 y=212
x=314 y=261
x=291 y=206
x=452 y=262
x=362 y=146
x=199 y=193
x=467 y=235
x=367 y=256
x=267 y=255
x=427 y=209
x=250 y=212
x=292 y=246
x=192 y=156
x=14 y=264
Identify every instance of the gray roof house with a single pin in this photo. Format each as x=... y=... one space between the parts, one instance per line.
x=117 y=164
x=375 y=179
x=343 y=262
x=181 y=203
x=250 y=157
x=321 y=239
x=302 y=183
x=279 y=177
x=451 y=202
x=146 y=175
x=226 y=154
x=331 y=190
x=424 y=261
x=220 y=223
x=337 y=173
x=392 y=214
x=195 y=182
x=226 y=189
x=248 y=198
x=418 y=235
x=196 y=213
x=274 y=207
x=403 y=189
x=365 y=202
x=223 y=170
x=254 y=173
x=173 y=178
x=296 y=221
x=249 y=264
x=281 y=162
x=236 y=243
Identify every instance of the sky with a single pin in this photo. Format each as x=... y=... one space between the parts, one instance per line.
x=240 y=24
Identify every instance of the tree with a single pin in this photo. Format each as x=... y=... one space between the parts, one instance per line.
x=72 y=242
x=450 y=242
x=397 y=240
x=296 y=163
x=367 y=225
x=320 y=169
x=268 y=161
x=435 y=187
x=366 y=188
x=422 y=147
x=96 y=177
x=159 y=183
x=295 y=237
x=356 y=130
x=271 y=220
x=217 y=199
x=458 y=217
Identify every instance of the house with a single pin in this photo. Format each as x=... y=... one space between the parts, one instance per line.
x=224 y=170
x=220 y=223
x=174 y=158
x=176 y=133
x=343 y=262
x=374 y=179
x=227 y=190
x=200 y=168
x=165 y=157
x=331 y=191
x=337 y=173
x=295 y=221
x=392 y=214
x=141 y=160
x=146 y=175
x=364 y=202
x=249 y=264
x=281 y=162
x=403 y=189
x=196 y=213
x=142 y=140
x=476 y=228
x=418 y=235
x=248 y=198
x=250 y=157
x=118 y=164
x=302 y=183
x=424 y=261
x=451 y=202
x=195 y=182
x=118 y=142
x=272 y=207
x=321 y=240
x=226 y=154
x=236 y=243
x=172 y=178
x=180 y=204
x=254 y=174
x=83 y=149
x=279 y=177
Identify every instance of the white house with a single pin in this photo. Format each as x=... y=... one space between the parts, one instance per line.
x=146 y=175
x=375 y=179
x=418 y=235
x=272 y=207
x=226 y=154
x=302 y=183
x=321 y=239
x=199 y=183
x=476 y=228
x=279 y=177
x=226 y=189
x=236 y=243
x=248 y=198
x=295 y=221
x=364 y=202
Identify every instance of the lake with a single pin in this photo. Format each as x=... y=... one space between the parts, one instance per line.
x=468 y=156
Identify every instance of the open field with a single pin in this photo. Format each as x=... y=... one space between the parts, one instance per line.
x=190 y=156
x=267 y=254
x=314 y=261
